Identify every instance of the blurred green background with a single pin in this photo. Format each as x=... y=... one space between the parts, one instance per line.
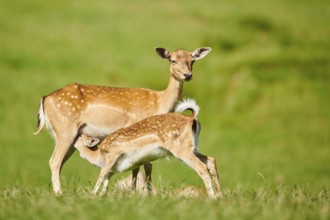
x=263 y=90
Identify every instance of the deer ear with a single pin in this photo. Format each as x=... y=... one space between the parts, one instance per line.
x=163 y=53
x=201 y=52
x=91 y=142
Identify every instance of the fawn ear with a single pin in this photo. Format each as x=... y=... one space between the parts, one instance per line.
x=163 y=53
x=91 y=142
x=201 y=52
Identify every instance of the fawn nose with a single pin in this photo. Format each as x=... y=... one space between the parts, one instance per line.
x=187 y=76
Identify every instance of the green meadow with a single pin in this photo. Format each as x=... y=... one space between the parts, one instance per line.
x=264 y=94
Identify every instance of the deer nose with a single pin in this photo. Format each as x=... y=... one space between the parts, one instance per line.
x=187 y=76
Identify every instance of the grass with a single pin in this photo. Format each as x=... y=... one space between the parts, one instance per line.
x=261 y=203
x=263 y=91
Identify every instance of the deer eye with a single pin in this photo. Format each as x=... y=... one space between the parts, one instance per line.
x=174 y=62
x=192 y=63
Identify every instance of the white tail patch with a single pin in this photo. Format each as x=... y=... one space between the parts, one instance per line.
x=50 y=128
x=41 y=117
x=43 y=120
x=186 y=104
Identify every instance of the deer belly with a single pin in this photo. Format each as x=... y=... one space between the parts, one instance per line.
x=100 y=120
x=136 y=158
x=96 y=131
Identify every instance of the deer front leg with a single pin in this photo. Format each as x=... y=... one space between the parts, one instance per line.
x=106 y=173
x=105 y=183
x=103 y=175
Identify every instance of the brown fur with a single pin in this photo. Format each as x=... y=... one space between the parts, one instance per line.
x=99 y=110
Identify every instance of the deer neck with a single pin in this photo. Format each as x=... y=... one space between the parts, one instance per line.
x=171 y=94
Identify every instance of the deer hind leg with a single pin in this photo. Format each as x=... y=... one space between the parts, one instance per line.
x=192 y=161
x=62 y=152
x=212 y=169
x=148 y=171
x=134 y=177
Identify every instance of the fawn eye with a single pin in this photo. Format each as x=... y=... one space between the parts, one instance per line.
x=173 y=62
